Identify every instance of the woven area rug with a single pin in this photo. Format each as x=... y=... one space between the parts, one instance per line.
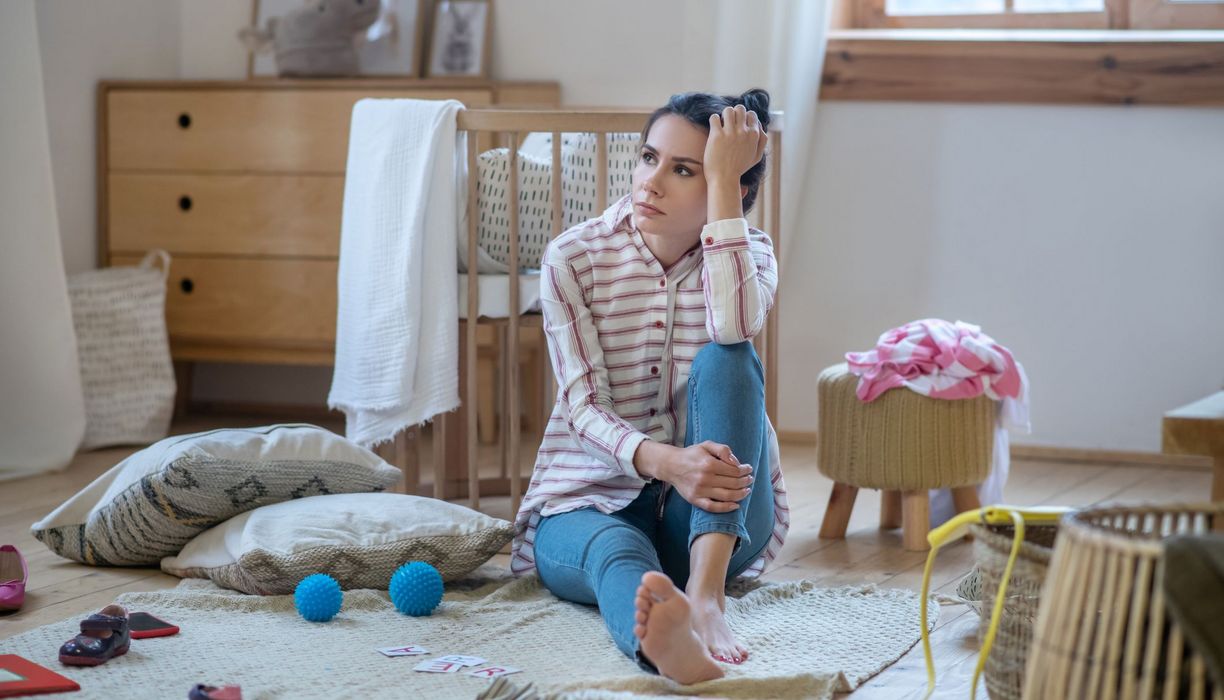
x=805 y=642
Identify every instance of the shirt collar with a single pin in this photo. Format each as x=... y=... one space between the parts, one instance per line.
x=615 y=215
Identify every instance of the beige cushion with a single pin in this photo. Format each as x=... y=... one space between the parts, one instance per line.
x=902 y=440
x=152 y=503
x=358 y=539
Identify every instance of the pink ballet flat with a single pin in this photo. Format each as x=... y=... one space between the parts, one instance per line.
x=13 y=577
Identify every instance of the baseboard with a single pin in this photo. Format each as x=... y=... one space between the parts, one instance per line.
x=797 y=437
x=281 y=412
x=1120 y=457
x=1060 y=454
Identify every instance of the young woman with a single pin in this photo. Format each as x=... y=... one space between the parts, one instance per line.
x=658 y=477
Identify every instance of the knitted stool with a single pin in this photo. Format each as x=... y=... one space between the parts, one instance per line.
x=904 y=444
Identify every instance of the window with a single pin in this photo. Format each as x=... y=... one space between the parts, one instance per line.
x=1035 y=14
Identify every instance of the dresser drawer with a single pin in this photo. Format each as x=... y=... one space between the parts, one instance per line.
x=250 y=302
x=274 y=130
x=282 y=215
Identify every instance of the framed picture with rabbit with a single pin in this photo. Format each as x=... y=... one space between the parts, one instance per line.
x=335 y=38
x=459 y=39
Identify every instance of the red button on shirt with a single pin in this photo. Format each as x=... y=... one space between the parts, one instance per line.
x=662 y=283
x=709 y=240
x=652 y=411
x=658 y=324
x=654 y=370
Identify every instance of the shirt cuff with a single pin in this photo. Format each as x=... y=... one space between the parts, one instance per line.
x=724 y=235
x=625 y=450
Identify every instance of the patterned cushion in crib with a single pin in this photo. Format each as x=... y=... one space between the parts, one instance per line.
x=152 y=503
x=578 y=192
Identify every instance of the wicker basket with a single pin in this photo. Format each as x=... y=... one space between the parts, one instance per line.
x=992 y=545
x=1103 y=631
x=119 y=317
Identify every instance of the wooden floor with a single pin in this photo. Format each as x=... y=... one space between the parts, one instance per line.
x=60 y=589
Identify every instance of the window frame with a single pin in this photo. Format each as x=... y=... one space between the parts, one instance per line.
x=1116 y=14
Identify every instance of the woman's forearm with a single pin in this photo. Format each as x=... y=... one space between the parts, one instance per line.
x=724 y=199
x=651 y=458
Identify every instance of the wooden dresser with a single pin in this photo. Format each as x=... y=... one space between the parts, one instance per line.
x=243 y=182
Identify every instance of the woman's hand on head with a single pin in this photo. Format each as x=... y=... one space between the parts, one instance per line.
x=736 y=143
x=709 y=476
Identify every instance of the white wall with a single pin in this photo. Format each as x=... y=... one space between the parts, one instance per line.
x=1087 y=239
x=81 y=43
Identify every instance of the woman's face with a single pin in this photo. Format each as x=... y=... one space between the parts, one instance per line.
x=669 y=177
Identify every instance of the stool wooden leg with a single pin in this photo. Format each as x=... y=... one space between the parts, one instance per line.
x=916 y=514
x=837 y=514
x=890 y=510
x=965 y=498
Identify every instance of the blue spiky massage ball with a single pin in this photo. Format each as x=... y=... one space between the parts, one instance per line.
x=416 y=588
x=317 y=598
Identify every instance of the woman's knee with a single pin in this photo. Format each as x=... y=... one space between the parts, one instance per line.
x=719 y=363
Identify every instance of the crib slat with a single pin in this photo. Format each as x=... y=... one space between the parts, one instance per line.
x=601 y=172
x=557 y=204
x=473 y=318
x=512 y=414
x=774 y=183
x=408 y=459
x=439 y=455
x=558 y=200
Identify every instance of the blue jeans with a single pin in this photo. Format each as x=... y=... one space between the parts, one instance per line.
x=594 y=558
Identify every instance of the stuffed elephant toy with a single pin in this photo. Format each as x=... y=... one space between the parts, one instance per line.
x=317 y=39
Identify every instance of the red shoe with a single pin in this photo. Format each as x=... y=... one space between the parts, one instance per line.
x=13 y=577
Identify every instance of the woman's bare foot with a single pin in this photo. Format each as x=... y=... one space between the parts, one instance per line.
x=710 y=624
x=665 y=629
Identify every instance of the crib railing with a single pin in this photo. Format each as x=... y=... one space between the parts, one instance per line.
x=455 y=449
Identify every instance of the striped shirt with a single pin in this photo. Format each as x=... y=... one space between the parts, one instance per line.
x=622 y=334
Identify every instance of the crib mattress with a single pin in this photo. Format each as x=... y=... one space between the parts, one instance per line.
x=494 y=294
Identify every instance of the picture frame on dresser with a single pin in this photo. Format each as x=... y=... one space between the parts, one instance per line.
x=394 y=46
x=460 y=39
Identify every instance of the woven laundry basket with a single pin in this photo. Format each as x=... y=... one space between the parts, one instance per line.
x=992 y=545
x=127 y=376
x=902 y=440
x=1103 y=630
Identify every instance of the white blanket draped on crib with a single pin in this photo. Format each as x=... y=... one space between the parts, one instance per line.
x=397 y=340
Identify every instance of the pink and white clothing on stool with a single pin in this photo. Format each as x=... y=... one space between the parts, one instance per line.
x=622 y=335
x=950 y=361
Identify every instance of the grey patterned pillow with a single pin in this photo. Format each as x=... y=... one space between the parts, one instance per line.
x=359 y=539
x=152 y=503
x=578 y=192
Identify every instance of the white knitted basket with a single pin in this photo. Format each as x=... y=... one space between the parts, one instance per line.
x=126 y=372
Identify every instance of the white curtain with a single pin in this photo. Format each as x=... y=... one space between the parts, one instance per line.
x=778 y=45
x=42 y=411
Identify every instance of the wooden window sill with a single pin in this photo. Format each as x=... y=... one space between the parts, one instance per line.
x=1059 y=66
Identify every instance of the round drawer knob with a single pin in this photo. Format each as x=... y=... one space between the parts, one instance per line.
x=186 y=285
x=184 y=120
x=185 y=203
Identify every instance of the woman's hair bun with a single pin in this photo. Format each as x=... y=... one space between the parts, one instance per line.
x=757 y=100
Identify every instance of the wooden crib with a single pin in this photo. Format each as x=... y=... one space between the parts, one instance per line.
x=456 y=468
